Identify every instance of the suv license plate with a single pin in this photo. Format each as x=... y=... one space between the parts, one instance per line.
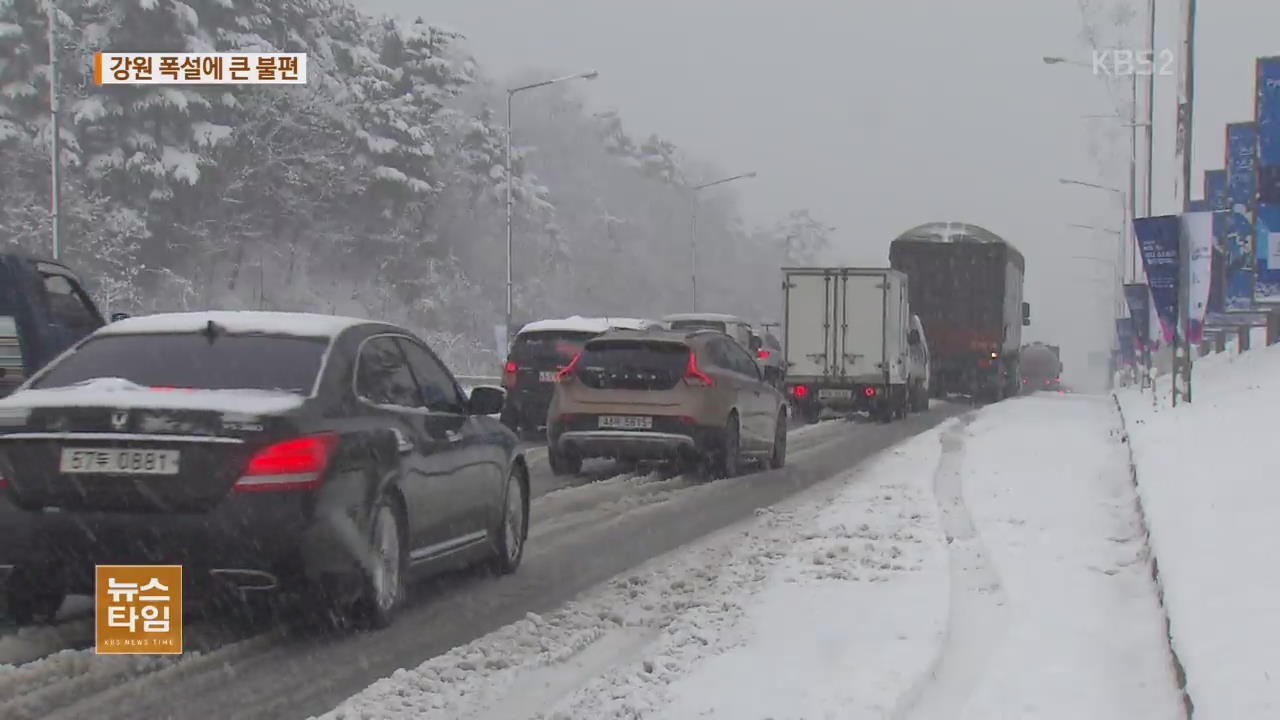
x=835 y=394
x=547 y=376
x=114 y=461
x=626 y=422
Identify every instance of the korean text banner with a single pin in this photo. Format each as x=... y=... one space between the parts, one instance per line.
x=1267 y=234
x=1215 y=193
x=1137 y=298
x=1242 y=185
x=1197 y=228
x=1158 y=238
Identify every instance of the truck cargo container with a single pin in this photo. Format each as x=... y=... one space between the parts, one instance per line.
x=848 y=333
x=966 y=286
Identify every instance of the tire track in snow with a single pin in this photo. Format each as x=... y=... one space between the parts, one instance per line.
x=978 y=606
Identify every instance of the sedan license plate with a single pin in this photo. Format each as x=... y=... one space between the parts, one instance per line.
x=626 y=422
x=835 y=394
x=114 y=461
x=547 y=376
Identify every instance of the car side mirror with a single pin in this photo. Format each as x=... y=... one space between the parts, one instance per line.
x=1026 y=313
x=913 y=337
x=117 y=317
x=486 y=400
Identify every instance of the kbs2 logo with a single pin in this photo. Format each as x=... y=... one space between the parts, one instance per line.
x=1121 y=63
x=138 y=609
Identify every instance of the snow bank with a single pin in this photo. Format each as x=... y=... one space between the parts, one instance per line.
x=1210 y=492
x=1080 y=633
x=846 y=581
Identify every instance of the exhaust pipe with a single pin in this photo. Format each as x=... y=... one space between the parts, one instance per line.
x=243 y=580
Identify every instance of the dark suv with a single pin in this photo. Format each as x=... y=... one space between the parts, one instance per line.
x=541 y=350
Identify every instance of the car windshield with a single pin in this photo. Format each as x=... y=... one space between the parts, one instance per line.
x=191 y=360
x=699 y=325
x=549 y=345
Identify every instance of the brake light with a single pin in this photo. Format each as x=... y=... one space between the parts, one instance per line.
x=296 y=464
x=869 y=392
x=693 y=375
x=800 y=391
x=763 y=354
x=4 y=482
x=569 y=369
x=509 y=375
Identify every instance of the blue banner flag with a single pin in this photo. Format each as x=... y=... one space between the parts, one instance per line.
x=1266 y=227
x=1158 y=238
x=1124 y=332
x=1137 y=297
x=1242 y=187
x=1215 y=193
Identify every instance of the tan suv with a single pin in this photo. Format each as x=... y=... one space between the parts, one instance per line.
x=693 y=397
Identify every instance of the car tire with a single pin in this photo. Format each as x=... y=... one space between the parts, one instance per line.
x=384 y=581
x=513 y=526
x=562 y=463
x=778 y=458
x=727 y=459
x=510 y=418
x=29 y=602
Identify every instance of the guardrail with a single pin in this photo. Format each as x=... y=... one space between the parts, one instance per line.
x=474 y=380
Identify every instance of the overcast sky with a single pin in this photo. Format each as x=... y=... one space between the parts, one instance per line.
x=880 y=115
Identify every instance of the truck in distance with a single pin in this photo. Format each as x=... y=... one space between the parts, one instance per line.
x=847 y=341
x=966 y=286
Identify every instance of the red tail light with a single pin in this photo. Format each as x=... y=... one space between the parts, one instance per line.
x=4 y=482
x=569 y=369
x=800 y=391
x=509 y=375
x=297 y=464
x=763 y=354
x=869 y=392
x=693 y=375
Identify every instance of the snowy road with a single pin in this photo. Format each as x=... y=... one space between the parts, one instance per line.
x=585 y=530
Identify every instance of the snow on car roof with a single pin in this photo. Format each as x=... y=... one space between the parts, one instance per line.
x=120 y=393
x=717 y=317
x=235 y=322
x=577 y=323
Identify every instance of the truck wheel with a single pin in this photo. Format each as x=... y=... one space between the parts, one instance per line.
x=811 y=412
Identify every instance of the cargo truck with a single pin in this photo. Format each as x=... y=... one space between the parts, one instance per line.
x=966 y=286
x=1041 y=366
x=848 y=333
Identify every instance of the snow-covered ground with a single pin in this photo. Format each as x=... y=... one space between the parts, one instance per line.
x=992 y=568
x=1211 y=494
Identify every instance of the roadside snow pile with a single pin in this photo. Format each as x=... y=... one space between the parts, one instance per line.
x=1074 y=629
x=847 y=582
x=1210 y=492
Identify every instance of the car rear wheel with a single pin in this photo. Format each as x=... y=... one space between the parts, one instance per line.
x=388 y=564
x=513 y=528
x=778 y=457
x=563 y=463
x=728 y=458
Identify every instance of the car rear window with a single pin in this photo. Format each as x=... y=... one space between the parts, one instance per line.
x=633 y=365
x=192 y=360
x=772 y=343
x=548 y=345
x=699 y=325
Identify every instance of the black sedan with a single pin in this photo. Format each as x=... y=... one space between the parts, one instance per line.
x=330 y=456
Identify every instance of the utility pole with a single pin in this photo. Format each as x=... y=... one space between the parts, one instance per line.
x=55 y=158
x=1188 y=135
x=1151 y=104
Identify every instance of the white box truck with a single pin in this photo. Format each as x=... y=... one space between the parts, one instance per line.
x=848 y=333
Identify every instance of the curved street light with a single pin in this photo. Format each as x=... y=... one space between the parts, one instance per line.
x=511 y=92
x=693 y=227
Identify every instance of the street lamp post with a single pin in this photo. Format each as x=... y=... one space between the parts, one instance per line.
x=55 y=159
x=1133 y=126
x=590 y=75
x=1124 y=219
x=693 y=229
